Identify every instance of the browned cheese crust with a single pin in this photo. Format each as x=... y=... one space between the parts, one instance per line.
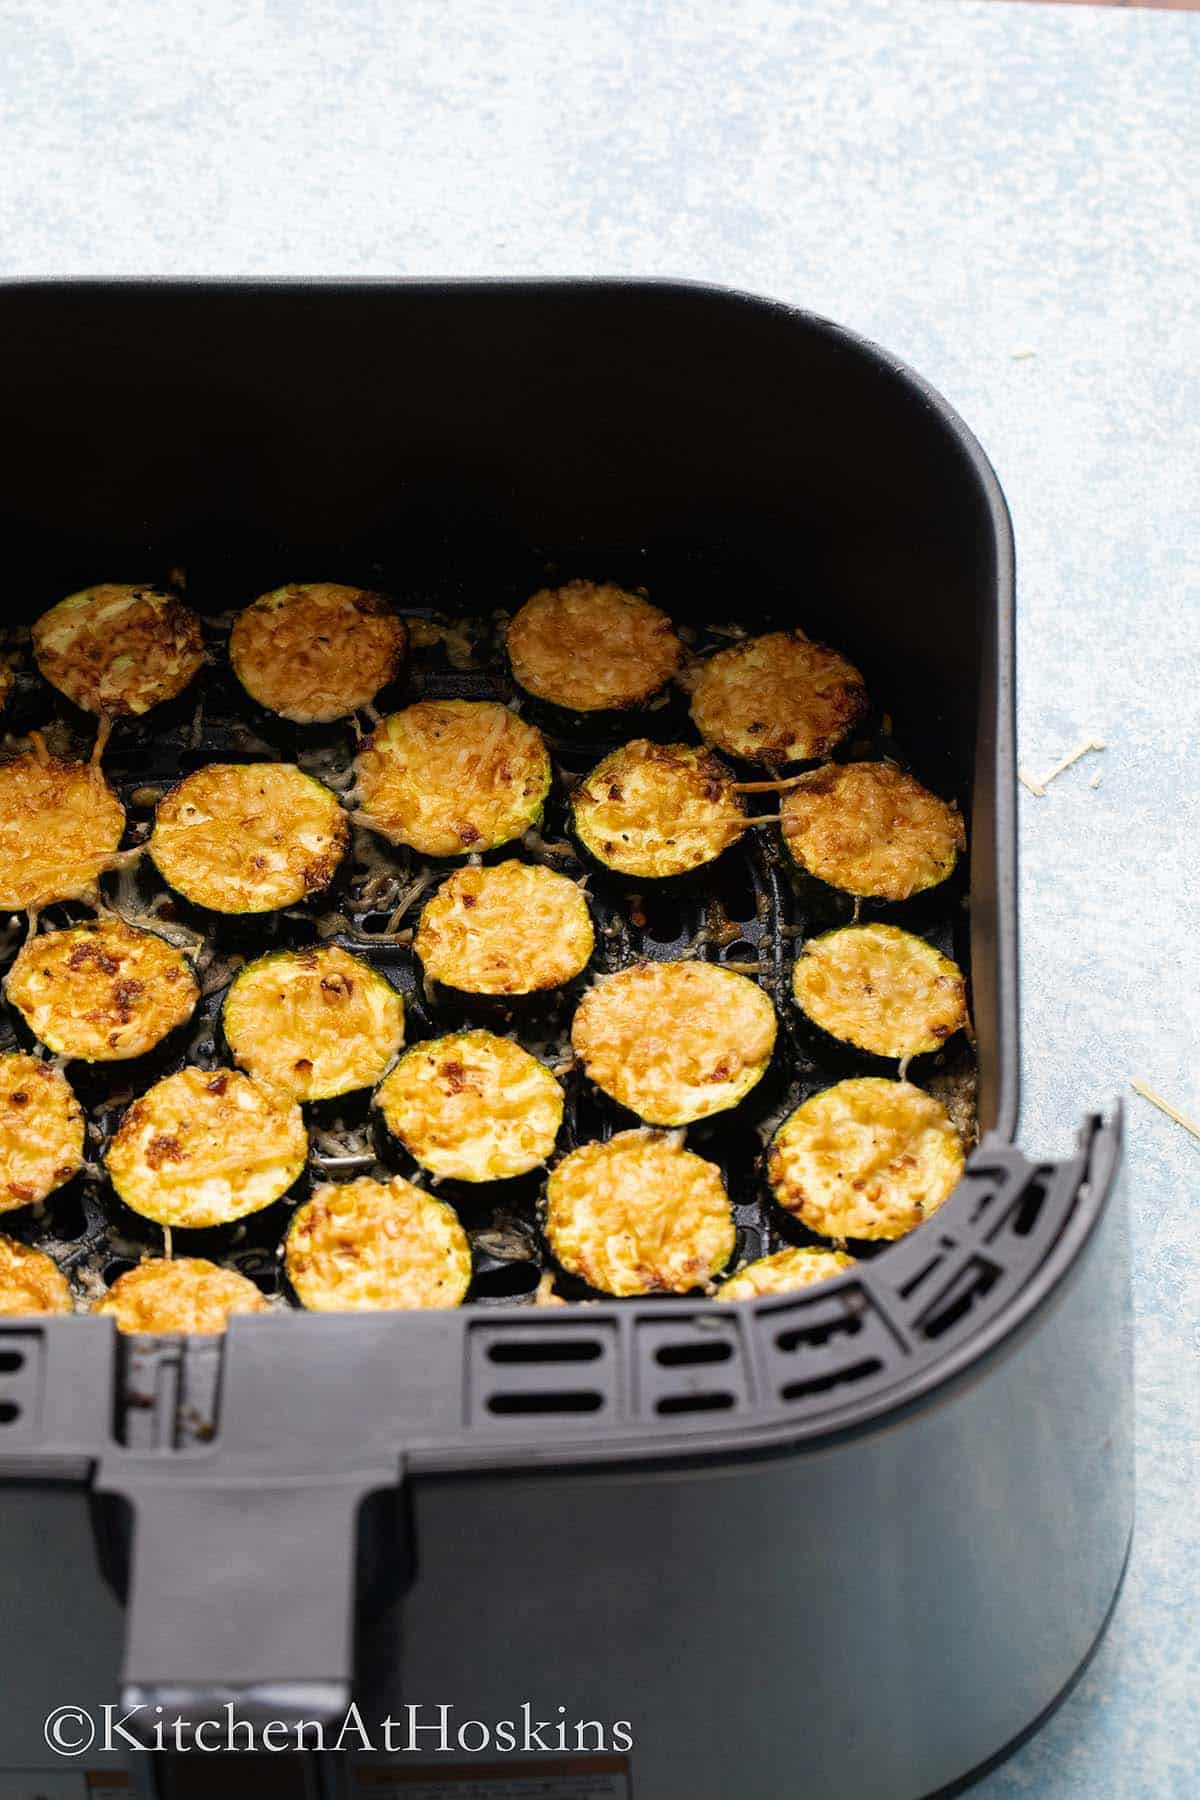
x=784 y=1273
x=871 y=829
x=592 y=647
x=315 y=651
x=249 y=837
x=777 y=699
x=116 y=649
x=101 y=991
x=60 y=824
x=30 y=1282
x=186 y=1294
x=41 y=1130
x=514 y=928
x=881 y=989
x=657 y=810
x=373 y=1246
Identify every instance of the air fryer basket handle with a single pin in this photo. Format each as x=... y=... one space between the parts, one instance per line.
x=244 y=1592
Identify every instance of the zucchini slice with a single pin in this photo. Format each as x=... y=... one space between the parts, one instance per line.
x=205 y=1147
x=30 y=1282
x=185 y=1294
x=639 y=1215
x=675 y=1041
x=881 y=989
x=657 y=810
x=777 y=699
x=101 y=991
x=374 y=1246
x=514 y=928
x=60 y=824
x=592 y=647
x=450 y=777
x=868 y=1158
x=41 y=1130
x=784 y=1272
x=315 y=651
x=248 y=837
x=313 y=1023
x=473 y=1107
x=870 y=829
x=117 y=650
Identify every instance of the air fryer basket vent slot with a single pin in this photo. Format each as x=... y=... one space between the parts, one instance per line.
x=21 y=1368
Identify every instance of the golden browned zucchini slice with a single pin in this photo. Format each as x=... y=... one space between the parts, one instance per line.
x=453 y=776
x=30 y=1282
x=777 y=699
x=101 y=991
x=870 y=829
x=657 y=810
x=205 y=1147
x=374 y=1246
x=315 y=651
x=866 y=1159
x=248 y=837
x=41 y=1130
x=472 y=1107
x=516 y=928
x=592 y=647
x=881 y=989
x=184 y=1294
x=60 y=824
x=675 y=1041
x=315 y=1022
x=639 y=1215
x=784 y=1272
x=116 y=649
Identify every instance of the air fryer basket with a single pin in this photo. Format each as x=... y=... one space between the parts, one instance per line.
x=456 y=445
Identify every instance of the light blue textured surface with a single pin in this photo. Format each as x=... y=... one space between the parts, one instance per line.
x=965 y=182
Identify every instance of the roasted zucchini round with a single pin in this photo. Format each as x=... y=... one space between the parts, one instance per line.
x=515 y=928
x=101 y=991
x=639 y=1215
x=881 y=989
x=866 y=1159
x=451 y=777
x=784 y=1272
x=374 y=1246
x=872 y=830
x=313 y=1023
x=657 y=810
x=592 y=647
x=60 y=824
x=675 y=1041
x=777 y=699
x=184 y=1294
x=30 y=1282
x=116 y=650
x=472 y=1107
x=41 y=1130
x=315 y=651
x=205 y=1147
x=248 y=837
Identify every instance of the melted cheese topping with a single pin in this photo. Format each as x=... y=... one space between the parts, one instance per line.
x=865 y=1159
x=370 y=1246
x=592 y=647
x=185 y=1294
x=30 y=1282
x=315 y=651
x=114 y=649
x=314 y=1022
x=880 y=989
x=473 y=1107
x=101 y=991
x=453 y=776
x=639 y=1215
x=205 y=1147
x=784 y=1272
x=248 y=837
x=675 y=1042
x=657 y=809
x=516 y=928
x=60 y=824
x=870 y=829
x=41 y=1130
x=777 y=699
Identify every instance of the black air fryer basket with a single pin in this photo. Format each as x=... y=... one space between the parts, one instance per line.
x=852 y=1541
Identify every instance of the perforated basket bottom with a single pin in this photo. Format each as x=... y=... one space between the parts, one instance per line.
x=746 y=911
